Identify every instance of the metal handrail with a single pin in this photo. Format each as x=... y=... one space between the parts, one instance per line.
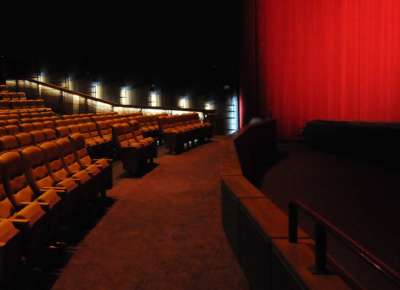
x=322 y=226
x=89 y=97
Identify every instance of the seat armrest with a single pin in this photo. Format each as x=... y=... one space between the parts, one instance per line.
x=18 y=222
x=22 y=204
x=107 y=159
x=58 y=189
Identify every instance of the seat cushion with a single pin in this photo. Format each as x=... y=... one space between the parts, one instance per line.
x=7 y=231
x=50 y=196
x=32 y=212
x=68 y=183
x=82 y=176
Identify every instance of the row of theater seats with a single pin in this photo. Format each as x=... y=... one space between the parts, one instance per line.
x=12 y=95
x=21 y=103
x=44 y=189
x=135 y=151
x=150 y=125
x=182 y=131
x=96 y=134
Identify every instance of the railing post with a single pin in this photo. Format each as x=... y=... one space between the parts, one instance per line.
x=320 y=249
x=293 y=222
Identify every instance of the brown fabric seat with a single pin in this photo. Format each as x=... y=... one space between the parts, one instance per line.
x=38 y=136
x=62 y=132
x=54 y=158
x=8 y=143
x=50 y=134
x=27 y=127
x=12 y=129
x=40 y=172
x=24 y=139
x=17 y=184
x=100 y=166
x=29 y=217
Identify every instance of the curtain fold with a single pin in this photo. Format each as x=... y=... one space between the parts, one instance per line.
x=330 y=59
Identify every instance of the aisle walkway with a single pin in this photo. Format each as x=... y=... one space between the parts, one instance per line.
x=163 y=232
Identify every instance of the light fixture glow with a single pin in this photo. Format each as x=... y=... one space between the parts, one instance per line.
x=154 y=99
x=232 y=115
x=125 y=95
x=184 y=102
x=96 y=90
x=210 y=105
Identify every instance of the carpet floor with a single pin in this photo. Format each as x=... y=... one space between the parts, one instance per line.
x=162 y=232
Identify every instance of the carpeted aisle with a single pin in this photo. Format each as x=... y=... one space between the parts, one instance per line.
x=163 y=232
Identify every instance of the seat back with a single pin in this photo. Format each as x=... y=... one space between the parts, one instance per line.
x=62 y=132
x=8 y=143
x=12 y=129
x=68 y=155
x=84 y=130
x=78 y=143
x=38 y=136
x=104 y=128
x=24 y=139
x=6 y=206
x=93 y=132
x=27 y=127
x=15 y=180
x=37 y=169
x=53 y=157
x=50 y=134
x=49 y=124
x=73 y=129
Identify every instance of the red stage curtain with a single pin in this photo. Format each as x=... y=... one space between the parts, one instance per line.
x=325 y=59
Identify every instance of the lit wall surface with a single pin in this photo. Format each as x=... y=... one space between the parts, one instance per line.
x=331 y=59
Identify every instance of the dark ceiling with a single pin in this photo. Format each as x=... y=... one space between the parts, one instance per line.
x=154 y=41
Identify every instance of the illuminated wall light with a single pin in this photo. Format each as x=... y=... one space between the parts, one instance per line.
x=154 y=99
x=67 y=83
x=232 y=114
x=96 y=91
x=209 y=105
x=125 y=95
x=184 y=102
x=41 y=77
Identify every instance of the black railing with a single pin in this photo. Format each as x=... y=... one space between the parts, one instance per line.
x=322 y=227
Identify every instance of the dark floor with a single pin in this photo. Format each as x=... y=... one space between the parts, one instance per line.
x=162 y=232
x=362 y=199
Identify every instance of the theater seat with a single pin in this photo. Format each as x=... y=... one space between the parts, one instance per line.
x=42 y=179
x=8 y=143
x=18 y=187
x=24 y=139
x=50 y=134
x=12 y=129
x=28 y=217
x=105 y=130
x=27 y=127
x=38 y=136
x=62 y=132
x=132 y=153
x=100 y=166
